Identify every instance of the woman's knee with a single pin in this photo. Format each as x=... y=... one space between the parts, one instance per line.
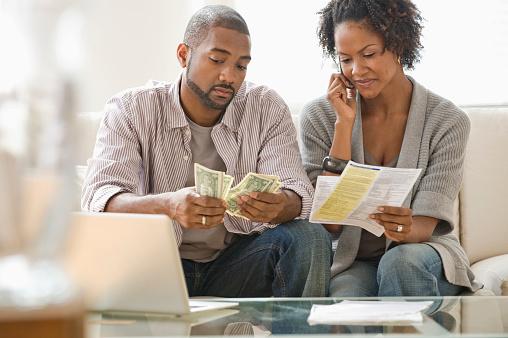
x=354 y=284
x=406 y=258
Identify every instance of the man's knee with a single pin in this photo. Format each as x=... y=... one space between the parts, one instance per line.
x=303 y=230
x=306 y=236
x=307 y=258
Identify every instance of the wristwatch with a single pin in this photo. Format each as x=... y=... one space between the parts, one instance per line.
x=334 y=165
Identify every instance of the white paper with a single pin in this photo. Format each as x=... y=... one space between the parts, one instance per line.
x=389 y=186
x=368 y=312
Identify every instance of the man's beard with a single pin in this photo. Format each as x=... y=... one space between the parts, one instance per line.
x=205 y=96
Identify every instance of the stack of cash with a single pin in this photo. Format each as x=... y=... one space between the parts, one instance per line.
x=217 y=184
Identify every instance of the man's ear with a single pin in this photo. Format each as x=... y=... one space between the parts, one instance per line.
x=183 y=54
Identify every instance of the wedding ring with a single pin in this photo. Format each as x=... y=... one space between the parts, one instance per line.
x=399 y=228
x=203 y=220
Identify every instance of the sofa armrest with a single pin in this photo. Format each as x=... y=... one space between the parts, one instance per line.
x=493 y=273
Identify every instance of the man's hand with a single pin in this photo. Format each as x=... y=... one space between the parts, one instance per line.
x=262 y=206
x=193 y=211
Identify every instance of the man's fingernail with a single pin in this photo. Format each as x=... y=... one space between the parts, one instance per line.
x=372 y=216
x=381 y=209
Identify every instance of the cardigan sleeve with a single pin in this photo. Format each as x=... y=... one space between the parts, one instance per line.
x=316 y=129
x=442 y=178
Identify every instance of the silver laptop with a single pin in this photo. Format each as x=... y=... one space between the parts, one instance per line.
x=130 y=262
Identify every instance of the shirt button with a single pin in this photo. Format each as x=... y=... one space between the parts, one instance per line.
x=185 y=157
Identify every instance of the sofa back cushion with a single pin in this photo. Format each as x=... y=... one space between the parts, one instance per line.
x=484 y=196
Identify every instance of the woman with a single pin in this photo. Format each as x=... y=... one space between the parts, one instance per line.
x=375 y=114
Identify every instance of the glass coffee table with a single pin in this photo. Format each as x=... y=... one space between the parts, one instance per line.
x=467 y=316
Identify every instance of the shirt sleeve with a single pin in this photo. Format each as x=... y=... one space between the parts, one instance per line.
x=116 y=162
x=442 y=178
x=279 y=154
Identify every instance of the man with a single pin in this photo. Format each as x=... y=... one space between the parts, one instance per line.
x=151 y=136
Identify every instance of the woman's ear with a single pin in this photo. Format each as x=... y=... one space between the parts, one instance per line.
x=183 y=54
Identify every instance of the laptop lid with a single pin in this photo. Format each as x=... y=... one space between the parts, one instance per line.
x=126 y=262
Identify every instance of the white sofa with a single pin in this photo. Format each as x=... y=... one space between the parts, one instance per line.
x=484 y=197
x=483 y=229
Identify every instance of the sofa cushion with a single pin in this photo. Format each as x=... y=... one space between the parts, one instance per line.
x=493 y=273
x=483 y=198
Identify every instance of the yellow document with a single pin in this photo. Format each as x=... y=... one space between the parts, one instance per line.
x=349 y=199
x=347 y=195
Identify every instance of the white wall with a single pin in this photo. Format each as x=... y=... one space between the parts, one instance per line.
x=285 y=51
x=464 y=57
x=126 y=43
x=465 y=50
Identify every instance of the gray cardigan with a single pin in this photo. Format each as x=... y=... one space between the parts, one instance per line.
x=435 y=139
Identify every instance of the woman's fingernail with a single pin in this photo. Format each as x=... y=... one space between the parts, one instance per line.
x=372 y=216
x=381 y=209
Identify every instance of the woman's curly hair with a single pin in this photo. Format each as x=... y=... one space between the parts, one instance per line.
x=398 y=21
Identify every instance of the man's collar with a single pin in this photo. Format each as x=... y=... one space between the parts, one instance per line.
x=177 y=115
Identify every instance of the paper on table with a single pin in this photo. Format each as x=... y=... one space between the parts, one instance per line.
x=368 y=312
x=349 y=199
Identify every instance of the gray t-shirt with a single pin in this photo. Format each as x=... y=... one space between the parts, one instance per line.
x=203 y=245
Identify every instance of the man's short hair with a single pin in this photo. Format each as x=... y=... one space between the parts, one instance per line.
x=209 y=17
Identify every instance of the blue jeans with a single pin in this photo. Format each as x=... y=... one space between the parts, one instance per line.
x=291 y=260
x=405 y=270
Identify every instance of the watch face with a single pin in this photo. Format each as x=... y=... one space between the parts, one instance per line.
x=334 y=166
x=329 y=165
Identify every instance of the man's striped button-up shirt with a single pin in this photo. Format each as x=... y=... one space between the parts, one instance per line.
x=143 y=147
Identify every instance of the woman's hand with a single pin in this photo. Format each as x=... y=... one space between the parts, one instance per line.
x=342 y=97
x=397 y=221
x=343 y=101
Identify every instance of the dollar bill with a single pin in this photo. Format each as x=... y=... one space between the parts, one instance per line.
x=275 y=186
x=217 y=184
x=226 y=186
x=250 y=183
x=208 y=182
